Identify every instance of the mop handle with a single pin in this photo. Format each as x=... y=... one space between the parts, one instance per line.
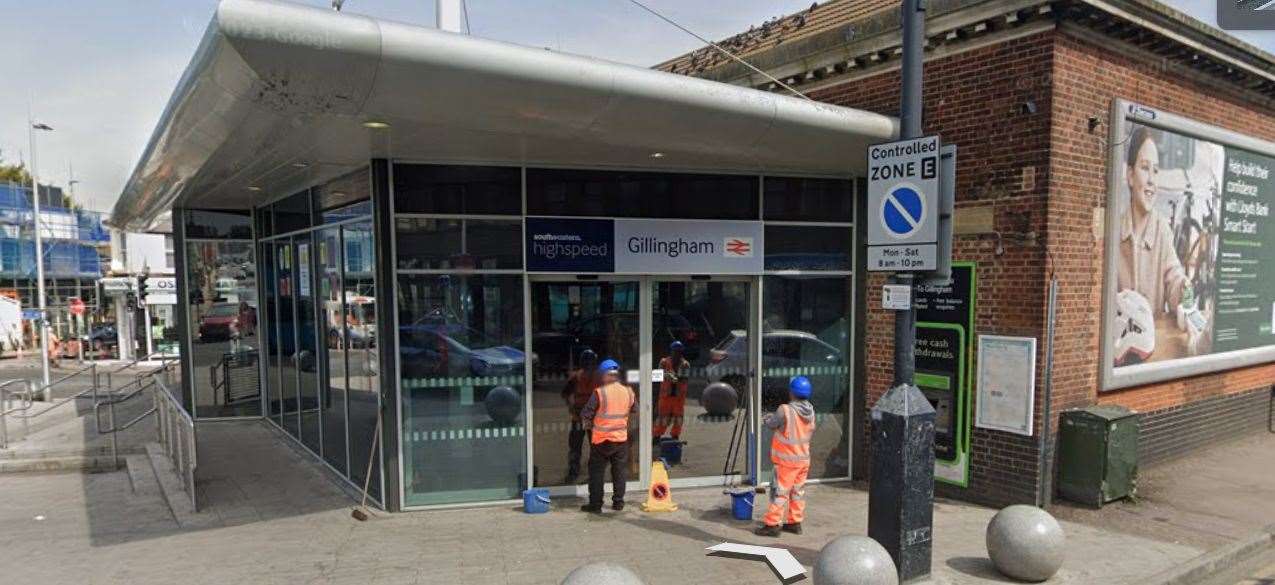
x=376 y=438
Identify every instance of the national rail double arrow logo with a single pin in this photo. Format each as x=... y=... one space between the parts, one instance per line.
x=739 y=247
x=902 y=211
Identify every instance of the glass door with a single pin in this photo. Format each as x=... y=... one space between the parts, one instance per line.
x=703 y=362
x=575 y=324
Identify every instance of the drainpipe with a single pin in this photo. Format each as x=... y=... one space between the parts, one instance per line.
x=1046 y=496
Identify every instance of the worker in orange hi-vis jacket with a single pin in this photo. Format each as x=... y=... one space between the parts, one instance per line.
x=607 y=416
x=579 y=388
x=672 y=400
x=794 y=424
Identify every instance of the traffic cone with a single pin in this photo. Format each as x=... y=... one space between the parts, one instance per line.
x=659 y=498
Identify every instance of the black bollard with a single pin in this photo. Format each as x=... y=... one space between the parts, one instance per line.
x=901 y=494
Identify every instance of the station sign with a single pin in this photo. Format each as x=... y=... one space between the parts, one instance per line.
x=644 y=246
x=903 y=205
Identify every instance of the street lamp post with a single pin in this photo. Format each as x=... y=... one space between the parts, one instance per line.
x=39 y=258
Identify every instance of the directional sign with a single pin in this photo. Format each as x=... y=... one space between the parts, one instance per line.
x=903 y=197
x=781 y=561
x=118 y=284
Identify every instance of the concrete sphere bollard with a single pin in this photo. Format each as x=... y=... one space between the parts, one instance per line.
x=719 y=399
x=1026 y=543
x=601 y=574
x=854 y=560
x=503 y=405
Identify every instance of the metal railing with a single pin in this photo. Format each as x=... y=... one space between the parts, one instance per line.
x=176 y=430
x=6 y=396
x=164 y=360
x=27 y=400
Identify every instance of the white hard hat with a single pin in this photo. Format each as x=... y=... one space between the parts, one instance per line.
x=1134 y=327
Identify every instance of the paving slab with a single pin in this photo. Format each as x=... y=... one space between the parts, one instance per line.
x=272 y=515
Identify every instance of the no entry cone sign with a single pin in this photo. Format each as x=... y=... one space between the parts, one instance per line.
x=659 y=498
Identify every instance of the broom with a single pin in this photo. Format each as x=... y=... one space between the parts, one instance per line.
x=361 y=513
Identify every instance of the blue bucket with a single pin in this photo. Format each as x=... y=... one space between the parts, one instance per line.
x=741 y=504
x=671 y=451
x=535 y=501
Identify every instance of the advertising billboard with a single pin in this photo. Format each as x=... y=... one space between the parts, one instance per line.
x=1190 y=249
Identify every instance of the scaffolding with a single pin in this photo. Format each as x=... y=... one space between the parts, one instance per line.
x=75 y=244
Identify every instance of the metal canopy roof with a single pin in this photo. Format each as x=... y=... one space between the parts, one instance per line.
x=277 y=94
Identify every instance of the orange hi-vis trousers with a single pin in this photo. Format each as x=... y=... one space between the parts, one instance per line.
x=669 y=412
x=787 y=491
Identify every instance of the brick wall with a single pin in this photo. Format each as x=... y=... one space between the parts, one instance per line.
x=975 y=100
x=1044 y=174
x=1175 y=431
x=1086 y=79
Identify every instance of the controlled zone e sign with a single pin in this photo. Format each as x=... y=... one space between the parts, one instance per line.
x=903 y=191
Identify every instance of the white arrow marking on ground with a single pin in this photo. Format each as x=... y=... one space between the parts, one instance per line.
x=781 y=561
x=1267 y=6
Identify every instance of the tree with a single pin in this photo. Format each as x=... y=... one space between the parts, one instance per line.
x=14 y=173
x=17 y=173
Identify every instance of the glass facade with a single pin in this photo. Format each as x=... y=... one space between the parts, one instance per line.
x=492 y=363
x=320 y=373
x=222 y=313
x=463 y=371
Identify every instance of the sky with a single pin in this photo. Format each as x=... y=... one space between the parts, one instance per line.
x=100 y=71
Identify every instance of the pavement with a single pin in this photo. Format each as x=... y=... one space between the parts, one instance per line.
x=271 y=515
x=1207 y=500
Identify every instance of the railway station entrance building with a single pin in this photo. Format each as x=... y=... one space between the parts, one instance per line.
x=396 y=232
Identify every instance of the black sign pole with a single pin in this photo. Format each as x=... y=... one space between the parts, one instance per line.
x=901 y=494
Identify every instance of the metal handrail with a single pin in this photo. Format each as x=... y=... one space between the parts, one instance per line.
x=164 y=360
x=28 y=400
x=180 y=447
x=31 y=391
x=5 y=411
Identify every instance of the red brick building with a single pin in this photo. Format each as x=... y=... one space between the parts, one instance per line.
x=1028 y=91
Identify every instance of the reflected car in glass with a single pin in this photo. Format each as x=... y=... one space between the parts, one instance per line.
x=785 y=351
x=430 y=348
x=101 y=338
x=556 y=351
x=223 y=322
x=360 y=321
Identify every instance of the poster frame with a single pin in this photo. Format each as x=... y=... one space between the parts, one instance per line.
x=1026 y=429
x=1122 y=113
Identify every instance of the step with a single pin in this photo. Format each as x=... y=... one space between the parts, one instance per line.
x=141 y=475
x=18 y=452
x=77 y=464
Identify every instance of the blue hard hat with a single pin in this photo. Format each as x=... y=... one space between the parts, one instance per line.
x=609 y=367
x=800 y=387
x=676 y=346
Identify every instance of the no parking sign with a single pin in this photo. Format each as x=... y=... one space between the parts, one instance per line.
x=903 y=205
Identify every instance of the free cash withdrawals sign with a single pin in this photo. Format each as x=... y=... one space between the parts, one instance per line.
x=644 y=246
x=903 y=192
x=944 y=360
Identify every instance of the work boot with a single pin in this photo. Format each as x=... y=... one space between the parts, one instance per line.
x=618 y=506
x=766 y=530
x=591 y=508
x=794 y=528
